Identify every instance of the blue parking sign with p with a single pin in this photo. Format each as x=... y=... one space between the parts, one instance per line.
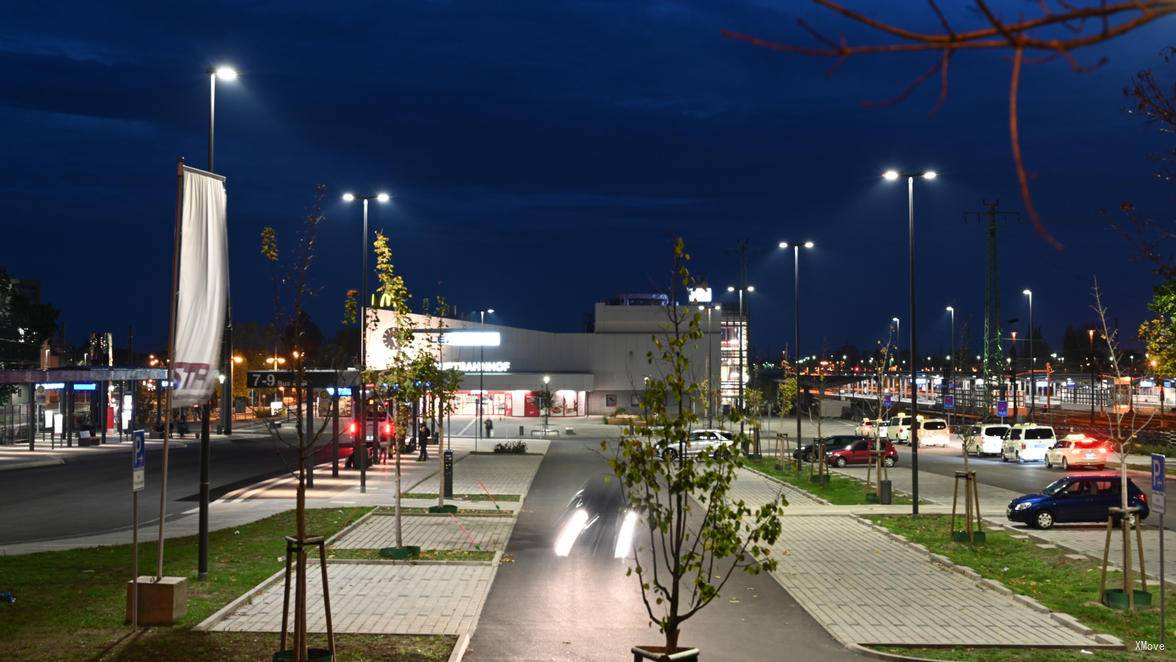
x=886 y=401
x=1002 y=408
x=1158 y=475
x=139 y=461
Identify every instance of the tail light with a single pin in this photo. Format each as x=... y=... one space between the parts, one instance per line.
x=1022 y=446
x=352 y=428
x=1143 y=497
x=1103 y=450
x=387 y=428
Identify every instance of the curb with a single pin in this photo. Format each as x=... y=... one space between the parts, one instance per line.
x=881 y=655
x=34 y=464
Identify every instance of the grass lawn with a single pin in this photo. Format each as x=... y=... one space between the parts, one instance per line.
x=426 y=554
x=71 y=604
x=480 y=496
x=389 y=510
x=1046 y=575
x=841 y=490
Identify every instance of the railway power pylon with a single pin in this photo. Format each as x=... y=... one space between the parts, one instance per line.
x=993 y=361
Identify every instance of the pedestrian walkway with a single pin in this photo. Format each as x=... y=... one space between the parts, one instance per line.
x=866 y=587
x=376 y=598
x=429 y=532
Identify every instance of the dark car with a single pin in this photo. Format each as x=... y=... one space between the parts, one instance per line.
x=808 y=452
x=860 y=451
x=1084 y=498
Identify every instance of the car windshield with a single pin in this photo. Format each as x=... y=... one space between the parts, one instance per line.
x=935 y=425
x=1056 y=486
x=1039 y=433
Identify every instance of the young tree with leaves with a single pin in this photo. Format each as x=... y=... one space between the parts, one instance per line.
x=684 y=500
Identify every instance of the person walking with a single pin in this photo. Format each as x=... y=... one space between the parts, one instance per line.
x=489 y=427
x=424 y=443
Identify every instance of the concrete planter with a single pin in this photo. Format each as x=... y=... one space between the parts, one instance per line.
x=661 y=654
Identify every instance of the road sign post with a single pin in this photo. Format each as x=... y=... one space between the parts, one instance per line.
x=887 y=401
x=1159 y=487
x=138 y=482
x=1002 y=409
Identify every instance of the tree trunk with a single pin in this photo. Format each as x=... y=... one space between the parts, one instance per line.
x=672 y=638
x=395 y=442
x=300 y=517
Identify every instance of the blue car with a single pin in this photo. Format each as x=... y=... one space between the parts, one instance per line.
x=1084 y=498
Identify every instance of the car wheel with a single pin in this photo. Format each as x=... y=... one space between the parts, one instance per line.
x=889 y=461
x=1049 y=463
x=1019 y=460
x=1065 y=464
x=1043 y=519
x=840 y=462
x=1003 y=457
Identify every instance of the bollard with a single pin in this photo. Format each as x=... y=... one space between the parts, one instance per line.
x=521 y=433
x=447 y=464
x=887 y=496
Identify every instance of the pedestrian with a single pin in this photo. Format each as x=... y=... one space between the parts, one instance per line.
x=424 y=443
x=183 y=422
x=489 y=428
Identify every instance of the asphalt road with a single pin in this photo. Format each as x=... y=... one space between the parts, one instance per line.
x=583 y=607
x=1022 y=478
x=90 y=493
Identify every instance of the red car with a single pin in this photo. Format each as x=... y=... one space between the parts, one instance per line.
x=859 y=451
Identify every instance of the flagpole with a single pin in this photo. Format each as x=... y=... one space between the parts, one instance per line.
x=171 y=357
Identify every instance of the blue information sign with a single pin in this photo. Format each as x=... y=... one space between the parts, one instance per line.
x=139 y=460
x=949 y=402
x=886 y=401
x=1002 y=408
x=1158 y=476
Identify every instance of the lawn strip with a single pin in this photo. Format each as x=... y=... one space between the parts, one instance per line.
x=842 y=490
x=187 y=644
x=426 y=554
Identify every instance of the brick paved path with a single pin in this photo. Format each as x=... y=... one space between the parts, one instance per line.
x=379 y=599
x=502 y=474
x=430 y=532
x=865 y=587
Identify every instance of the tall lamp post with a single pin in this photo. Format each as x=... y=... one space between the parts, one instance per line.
x=1032 y=358
x=1090 y=336
x=890 y=176
x=481 y=379
x=546 y=402
x=949 y=368
x=742 y=341
x=361 y=440
x=897 y=355
x=796 y=323
x=226 y=74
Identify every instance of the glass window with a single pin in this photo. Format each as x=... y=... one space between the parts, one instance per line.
x=1077 y=487
x=861 y=446
x=1014 y=434
x=1106 y=487
x=1056 y=486
x=935 y=425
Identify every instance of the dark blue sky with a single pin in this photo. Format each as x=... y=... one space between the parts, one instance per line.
x=542 y=154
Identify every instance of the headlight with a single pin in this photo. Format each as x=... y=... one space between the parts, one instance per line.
x=1023 y=505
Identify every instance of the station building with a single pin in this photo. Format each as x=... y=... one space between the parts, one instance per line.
x=590 y=373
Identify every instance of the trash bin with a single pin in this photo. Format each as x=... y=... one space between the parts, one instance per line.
x=887 y=496
x=521 y=433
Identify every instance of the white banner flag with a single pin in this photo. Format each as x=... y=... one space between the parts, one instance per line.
x=203 y=288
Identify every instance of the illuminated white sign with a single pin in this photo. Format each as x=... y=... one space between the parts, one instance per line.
x=477 y=366
x=700 y=295
x=472 y=338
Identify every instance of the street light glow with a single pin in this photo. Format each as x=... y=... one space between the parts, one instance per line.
x=489 y=311
x=808 y=244
x=930 y=174
x=383 y=197
x=546 y=379
x=890 y=175
x=730 y=288
x=349 y=197
x=950 y=309
x=751 y=288
x=783 y=244
x=225 y=73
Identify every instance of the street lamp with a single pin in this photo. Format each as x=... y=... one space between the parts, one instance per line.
x=950 y=367
x=228 y=75
x=890 y=176
x=1032 y=362
x=481 y=379
x=796 y=320
x=546 y=402
x=362 y=399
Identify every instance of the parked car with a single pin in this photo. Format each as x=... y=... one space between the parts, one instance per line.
x=1027 y=442
x=932 y=432
x=898 y=428
x=808 y=452
x=867 y=427
x=1077 y=450
x=1075 y=498
x=985 y=438
x=703 y=441
x=860 y=451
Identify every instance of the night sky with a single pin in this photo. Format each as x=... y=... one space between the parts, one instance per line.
x=543 y=154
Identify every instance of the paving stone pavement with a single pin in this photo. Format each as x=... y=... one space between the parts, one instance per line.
x=1089 y=540
x=756 y=488
x=865 y=587
x=502 y=474
x=430 y=532
x=376 y=598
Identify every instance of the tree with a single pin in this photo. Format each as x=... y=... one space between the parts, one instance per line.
x=1057 y=31
x=292 y=280
x=661 y=483
x=24 y=326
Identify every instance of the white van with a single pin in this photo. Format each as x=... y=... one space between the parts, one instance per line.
x=985 y=439
x=1027 y=442
x=932 y=432
x=898 y=430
